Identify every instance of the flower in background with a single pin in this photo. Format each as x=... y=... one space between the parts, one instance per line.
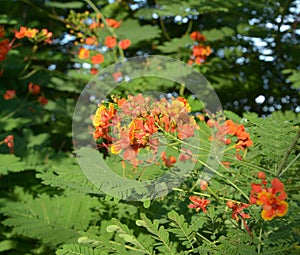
x=9 y=140
x=34 y=89
x=124 y=44
x=83 y=53
x=43 y=100
x=2 y=31
x=237 y=213
x=110 y=41
x=9 y=94
x=5 y=47
x=97 y=59
x=168 y=162
x=198 y=203
x=112 y=23
x=197 y=36
x=271 y=199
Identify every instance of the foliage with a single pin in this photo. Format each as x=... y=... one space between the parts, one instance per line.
x=49 y=51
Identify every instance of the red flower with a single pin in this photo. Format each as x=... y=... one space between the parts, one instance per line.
x=83 y=53
x=203 y=185
x=271 y=199
x=97 y=59
x=237 y=212
x=20 y=34
x=198 y=203
x=196 y=36
x=9 y=140
x=94 y=71
x=9 y=94
x=34 y=88
x=2 y=31
x=110 y=41
x=124 y=44
x=169 y=162
x=91 y=40
x=113 y=23
x=117 y=76
x=43 y=100
x=5 y=47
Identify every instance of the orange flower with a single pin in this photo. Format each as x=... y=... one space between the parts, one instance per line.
x=237 y=210
x=110 y=41
x=31 y=32
x=43 y=100
x=196 y=36
x=20 y=34
x=2 y=31
x=124 y=44
x=271 y=199
x=9 y=94
x=94 y=71
x=5 y=47
x=113 y=23
x=198 y=203
x=203 y=185
x=237 y=213
x=34 y=88
x=91 y=40
x=97 y=59
x=169 y=162
x=83 y=53
x=272 y=205
x=9 y=140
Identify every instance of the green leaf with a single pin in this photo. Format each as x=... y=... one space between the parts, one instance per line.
x=68 y=5
x=218 y=34
x=181 y=229
x=175 y=44
x=54 y=220
x=10 y=163
x=132 y=30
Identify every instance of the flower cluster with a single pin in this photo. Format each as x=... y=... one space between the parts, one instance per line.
x=231 y=133
x=133 y=124
x=200 y=51
x=87 y=29
x=272 y=199
x=5 y=44
x=9 y=141
x=33 y=89
x=198 y=203
x=34 y=35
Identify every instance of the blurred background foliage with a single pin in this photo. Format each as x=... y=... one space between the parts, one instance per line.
x=254 y=66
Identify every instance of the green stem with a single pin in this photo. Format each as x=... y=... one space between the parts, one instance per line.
x=34 y=49
x=112 y=32
x=259 y=241
x=164 y=30
x=287 y=154
x=289 y=165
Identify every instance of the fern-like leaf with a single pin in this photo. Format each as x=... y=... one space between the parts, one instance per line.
x=128 y=237
x=54 y=220
x=160 y=234
x=76 y=249
x=181 y=229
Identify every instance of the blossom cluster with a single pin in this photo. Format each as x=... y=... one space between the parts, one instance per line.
x=33 y=89
x=129 y=125
x=34 y=35
x=90 y=30
x=199 y=51
x=5 y=45
x=231 y=133
x=271 y=199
